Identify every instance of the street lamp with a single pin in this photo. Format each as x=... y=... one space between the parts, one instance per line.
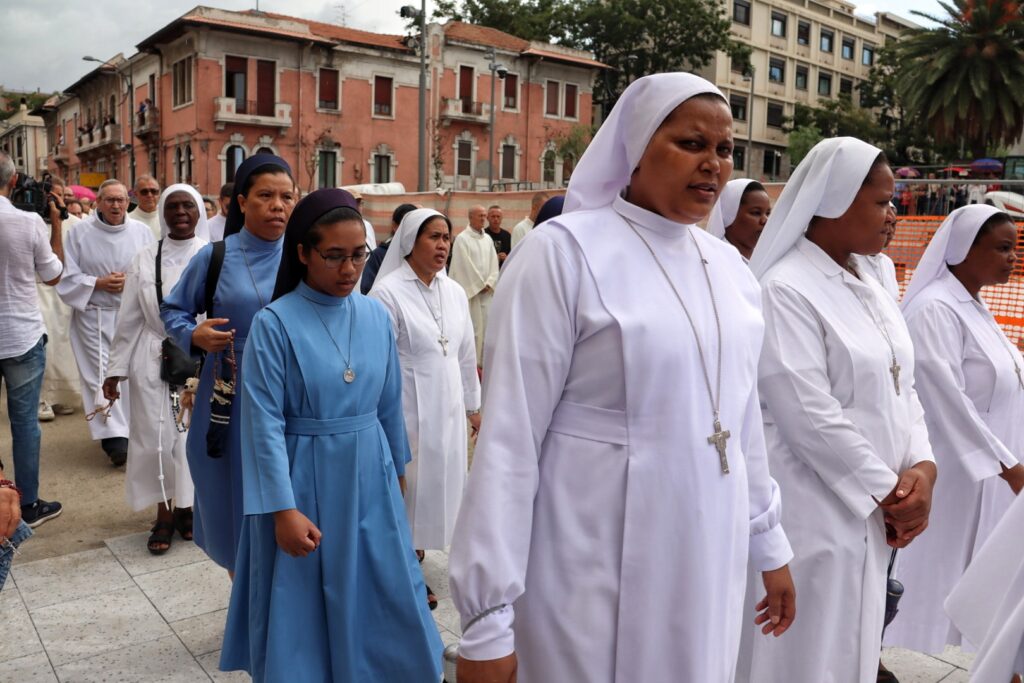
x=499 y=69
x=131 y=107
x=748 y=75
x=410 y=12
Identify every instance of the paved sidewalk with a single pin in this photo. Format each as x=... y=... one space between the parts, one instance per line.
x=119 y=614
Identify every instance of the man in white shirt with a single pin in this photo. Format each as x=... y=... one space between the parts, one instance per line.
x=526 y=225
x=216 y=224
x=24 y=253
x=475 y=267
x=147 y=194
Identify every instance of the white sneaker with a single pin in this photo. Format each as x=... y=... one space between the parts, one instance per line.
x=61 y=409
x=46 y=412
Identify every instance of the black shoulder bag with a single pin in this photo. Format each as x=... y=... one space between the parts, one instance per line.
x=176 y=366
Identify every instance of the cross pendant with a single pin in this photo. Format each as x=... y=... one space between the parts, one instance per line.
x=443 y=341
x=718 y=440
x=894 y=370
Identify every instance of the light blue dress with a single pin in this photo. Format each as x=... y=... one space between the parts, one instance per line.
x=354 y=609
x=218 y=481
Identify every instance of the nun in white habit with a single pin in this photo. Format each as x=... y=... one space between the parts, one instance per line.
x=98 y=252
x=608 y=520
x=157 y=470
x=969 y=377
x=845 y=432
x=987 y=605
x=740 y=214
x=440 y=386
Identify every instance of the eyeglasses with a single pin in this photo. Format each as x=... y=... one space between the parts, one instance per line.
x=335 y=260
x=148 y=192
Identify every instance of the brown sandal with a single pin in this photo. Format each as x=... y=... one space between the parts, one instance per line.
x=161 y=534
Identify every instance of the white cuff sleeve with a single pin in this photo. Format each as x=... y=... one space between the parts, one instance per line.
x=489 y=638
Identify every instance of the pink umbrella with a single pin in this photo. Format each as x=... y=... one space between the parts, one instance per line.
x=82 y=192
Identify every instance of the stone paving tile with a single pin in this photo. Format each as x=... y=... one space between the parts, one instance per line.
x=69 y=577
x=9 y=584
x=187 y=591
x=19 y=635
x=131 y=552
x=209 y=663
x=31 y=669
x=914 y=667
x=158 y=661
x=958 y=676
x=435 y=573
x=447 y=616
x=95 y=625
x=202 y=634
x=956 y=657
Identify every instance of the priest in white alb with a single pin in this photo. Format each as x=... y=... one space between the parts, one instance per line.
x=474 y=265
x=97 y=255
x=620 y=480
x=845 y=432
x=969 y=376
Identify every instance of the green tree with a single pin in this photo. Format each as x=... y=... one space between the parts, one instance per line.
x=527 y=19
x=838 y=117
x=964 y=78
x=801 y=140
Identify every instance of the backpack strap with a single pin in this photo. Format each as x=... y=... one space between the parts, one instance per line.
x=212 y=274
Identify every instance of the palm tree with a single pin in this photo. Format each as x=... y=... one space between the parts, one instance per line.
x=964 y=78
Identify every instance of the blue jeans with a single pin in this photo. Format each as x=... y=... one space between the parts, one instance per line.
x=7 y=547
x=23 y=376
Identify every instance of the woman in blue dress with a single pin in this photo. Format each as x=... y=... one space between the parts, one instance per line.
x=328 y=587
x=253 y=236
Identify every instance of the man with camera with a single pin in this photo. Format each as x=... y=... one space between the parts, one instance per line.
x=24 y=253
x=99 y=251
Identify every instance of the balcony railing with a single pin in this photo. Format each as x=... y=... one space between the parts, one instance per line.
x=147 y=122
x=466 y=110
x=251 y=113
x=98 y=138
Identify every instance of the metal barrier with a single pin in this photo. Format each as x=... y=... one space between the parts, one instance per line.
x=913 y=233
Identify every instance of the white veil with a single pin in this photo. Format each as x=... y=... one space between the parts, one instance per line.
x=403 y=241
x=605 y=168
x=824 y=184
x=728 y=205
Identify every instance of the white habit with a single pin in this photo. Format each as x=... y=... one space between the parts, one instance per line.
x=150 y=219
x=521 y=230
x=881 y=267
x=974 y=404
x=60 y=381
x=215 y=227
x=475 y=266
x=94 y=249
x=155 y=446
x=371 y=235
x=438 y=386
x=837 y=431
x=987 y=605
x=599 y=537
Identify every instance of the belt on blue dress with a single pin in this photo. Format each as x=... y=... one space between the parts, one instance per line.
x=310 y=426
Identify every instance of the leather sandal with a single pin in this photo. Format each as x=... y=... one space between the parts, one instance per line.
x=160 y=538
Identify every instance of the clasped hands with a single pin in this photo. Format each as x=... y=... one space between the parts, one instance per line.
x=907 y=507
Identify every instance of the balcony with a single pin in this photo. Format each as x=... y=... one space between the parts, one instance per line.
x=465 y=110
x=147 y=124
x=99 y=139
x=60 y=152
x=248 y=113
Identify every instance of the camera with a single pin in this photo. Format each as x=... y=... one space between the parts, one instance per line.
x=33 y=196
x=502 y=71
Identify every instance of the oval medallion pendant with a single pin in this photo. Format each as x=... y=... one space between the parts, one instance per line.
x=350 y=376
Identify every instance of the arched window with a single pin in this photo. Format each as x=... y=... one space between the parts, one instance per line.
x=265 y=150
x=568 y=164
x=179 y=171
x=549 y=166
x=235 y=157
x=188 y=164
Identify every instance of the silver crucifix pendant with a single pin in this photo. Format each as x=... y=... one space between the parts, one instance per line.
x=443 y=341
x=718 y=440
x=894 y=370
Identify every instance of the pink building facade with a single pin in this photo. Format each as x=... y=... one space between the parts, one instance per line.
x=340 y=105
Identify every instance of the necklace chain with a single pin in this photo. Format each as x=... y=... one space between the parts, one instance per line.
x=894 y=368
x=349 y=375
x=1005 y=342
x=252 y=277
x=714 y=396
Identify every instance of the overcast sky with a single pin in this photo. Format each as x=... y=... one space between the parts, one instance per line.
x=44 y=40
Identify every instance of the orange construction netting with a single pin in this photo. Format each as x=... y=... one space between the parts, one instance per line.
x=913 y=233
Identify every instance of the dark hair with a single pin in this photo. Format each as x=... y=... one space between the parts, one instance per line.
x=992 y=221
x=399 y=213
x=429 y=219
x=752 y=186
x=265 y=169
x=227 y=190
x=493 y=206
x=880 y=161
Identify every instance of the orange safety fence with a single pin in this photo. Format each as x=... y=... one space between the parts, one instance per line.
x=913 y=233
